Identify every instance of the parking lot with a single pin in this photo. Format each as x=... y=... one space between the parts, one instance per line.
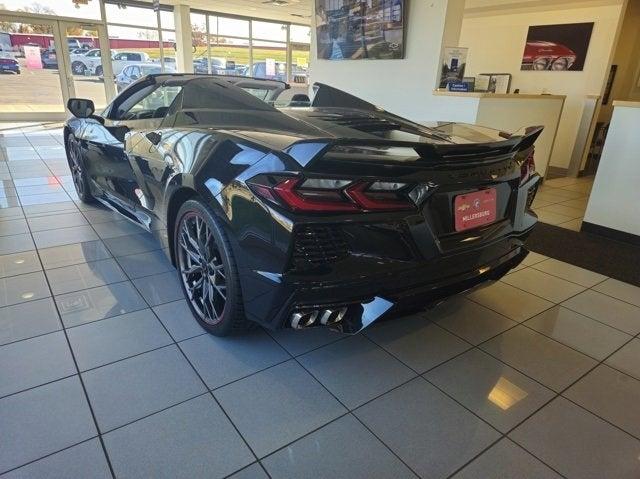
x=39 y=90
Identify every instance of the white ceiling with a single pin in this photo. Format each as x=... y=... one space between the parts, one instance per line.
x=294 y=11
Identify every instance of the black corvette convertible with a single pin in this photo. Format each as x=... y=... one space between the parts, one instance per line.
x=332 y=212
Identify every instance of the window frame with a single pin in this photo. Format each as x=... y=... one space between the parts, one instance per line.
x=211 y=34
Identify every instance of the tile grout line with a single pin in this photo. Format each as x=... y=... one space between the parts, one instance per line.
x=345 y=338
x=3 y=473
x=350 y=411
x=75 y=362
x=556 y=394
x=326 y=345
x=561 y=304
x=422 y=376
x=208 y=391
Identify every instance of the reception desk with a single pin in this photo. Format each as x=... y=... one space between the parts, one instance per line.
x=613 y=205
x=510 y=112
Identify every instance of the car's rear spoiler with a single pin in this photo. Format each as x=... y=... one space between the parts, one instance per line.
x=307 y=152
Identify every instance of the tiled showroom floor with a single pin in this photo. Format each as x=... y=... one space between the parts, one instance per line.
x=563 y=201
x=103 y=372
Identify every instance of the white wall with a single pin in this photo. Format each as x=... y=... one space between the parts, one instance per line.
x=496 y=41
x=402 y=86
x=511 y=114
x=614 y=198
x=625 y=85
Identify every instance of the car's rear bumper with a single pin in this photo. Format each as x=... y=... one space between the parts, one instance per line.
x=387 y=290
x=403 y=260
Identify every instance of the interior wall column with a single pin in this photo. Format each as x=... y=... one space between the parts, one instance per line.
x=184 y=46
x=454 y=13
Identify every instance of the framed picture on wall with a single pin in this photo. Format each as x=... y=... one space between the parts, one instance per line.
x=557 y=47
x=494 y=82
x=360 y=30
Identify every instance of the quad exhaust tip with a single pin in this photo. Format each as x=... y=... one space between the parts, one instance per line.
x=304 y=320
x=327 y=317
x=349 y=319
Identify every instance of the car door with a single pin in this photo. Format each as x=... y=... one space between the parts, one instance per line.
x=134 y=73
x=150 y=154
x=122 y=79
x=108 y=162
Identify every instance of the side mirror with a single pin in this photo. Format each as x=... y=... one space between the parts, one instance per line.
x=81 y=107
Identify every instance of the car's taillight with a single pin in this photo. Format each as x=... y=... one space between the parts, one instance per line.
x=293 y=194
x=527 y=168
x=315 y=195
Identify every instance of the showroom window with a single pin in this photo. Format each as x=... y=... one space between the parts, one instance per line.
x=138 y=29
x=249 y=47
x=59 y=8
x=300 y=41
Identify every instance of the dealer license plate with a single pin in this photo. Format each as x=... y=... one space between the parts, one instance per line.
x=475 y=209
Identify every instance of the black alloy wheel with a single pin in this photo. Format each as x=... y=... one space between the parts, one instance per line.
x=207 y=270
x=78 y=173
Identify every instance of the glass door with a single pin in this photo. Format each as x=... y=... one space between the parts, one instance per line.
x=88 y=65
x=44 y=62
x=31 y=87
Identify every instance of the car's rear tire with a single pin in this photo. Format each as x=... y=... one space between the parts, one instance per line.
x=207 y=270
x=99 y=71
x=78 y=171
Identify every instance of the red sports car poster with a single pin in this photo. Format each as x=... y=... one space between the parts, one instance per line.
x=557 y=47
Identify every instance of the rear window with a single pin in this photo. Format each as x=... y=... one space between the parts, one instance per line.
x=150 y=70
x=209 y=94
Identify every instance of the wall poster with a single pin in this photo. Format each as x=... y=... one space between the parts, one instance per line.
x=557 y=47
x=356 y=30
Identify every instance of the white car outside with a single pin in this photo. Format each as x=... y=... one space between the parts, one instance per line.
x=119 y=60
x=80 y=61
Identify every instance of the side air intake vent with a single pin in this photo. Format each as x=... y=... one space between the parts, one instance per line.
x=531 y=195
x=319 y=244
